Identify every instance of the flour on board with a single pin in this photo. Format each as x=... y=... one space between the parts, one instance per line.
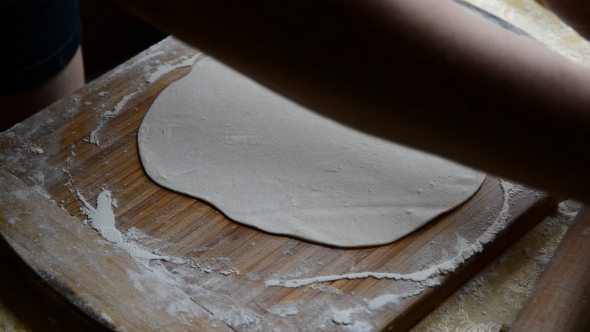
x=102 y=219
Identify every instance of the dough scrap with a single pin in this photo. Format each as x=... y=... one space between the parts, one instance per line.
x=269 y=163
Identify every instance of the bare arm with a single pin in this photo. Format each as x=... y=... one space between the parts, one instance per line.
x=425 y=73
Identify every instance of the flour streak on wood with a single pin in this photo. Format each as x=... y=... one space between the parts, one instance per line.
x=215 y=263
x=89 y=277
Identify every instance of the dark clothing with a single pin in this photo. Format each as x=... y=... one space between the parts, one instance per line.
x=38 y=38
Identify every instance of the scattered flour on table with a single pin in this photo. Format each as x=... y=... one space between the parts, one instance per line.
x=165 y=68
x=94 y=135
x=102 y=219
x=33 y=149
x=223 y=307
x=495 y=295
x=542 y=28
x=204 y=291
x=177 y=304
x=423 y=275
x=342 y=317
x=101 y=120
x=149 y=56
x=295 y=283
x=284 y=310
x=230 y=271
x=385 y=299
x=345 y=319
x=161 y=70
x=422 y=279
x=360 y=326
x=106 y=318
x=326 y=289
x=119 y=107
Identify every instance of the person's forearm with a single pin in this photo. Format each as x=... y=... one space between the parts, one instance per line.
x=425 y=73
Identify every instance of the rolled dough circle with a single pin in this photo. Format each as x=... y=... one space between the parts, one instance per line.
x=269 y=163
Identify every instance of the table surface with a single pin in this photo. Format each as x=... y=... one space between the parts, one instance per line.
x=461 y=306
x=489 y=300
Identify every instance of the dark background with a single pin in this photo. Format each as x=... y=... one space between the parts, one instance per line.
x=110 y=36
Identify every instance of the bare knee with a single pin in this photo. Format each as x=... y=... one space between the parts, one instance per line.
x=20 y=105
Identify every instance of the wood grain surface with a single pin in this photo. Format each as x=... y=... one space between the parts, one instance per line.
x=86 y=143
x=561 y=298
x=85 y=275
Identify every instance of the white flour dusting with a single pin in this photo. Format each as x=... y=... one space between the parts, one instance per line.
x=101 y=120
x=346 y=319
x=284 y=310
x=360 y=326
x=421 y=279
x=148 y=56
x=423 y=275
x=33 y=149
x=326 y=289
x=385 y=299
x=168 y=67
x=342 y=317
x=541 y=27
x=177 y=304
x=94 y=135
x=224 y=308
x=119 y=107
x=230 y=271
x=106 y=318
x=102 y=219
x=294 y=283
x=382 y=300
x=210 y=272
x=161 y=70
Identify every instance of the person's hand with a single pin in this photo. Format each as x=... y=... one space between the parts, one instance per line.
x=575 y=13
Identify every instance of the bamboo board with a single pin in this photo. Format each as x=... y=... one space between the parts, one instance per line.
x=87 y=143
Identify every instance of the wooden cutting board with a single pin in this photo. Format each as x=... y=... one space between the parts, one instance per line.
x=219 y=273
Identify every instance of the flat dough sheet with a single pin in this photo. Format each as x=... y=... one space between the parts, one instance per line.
x=267 y=162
